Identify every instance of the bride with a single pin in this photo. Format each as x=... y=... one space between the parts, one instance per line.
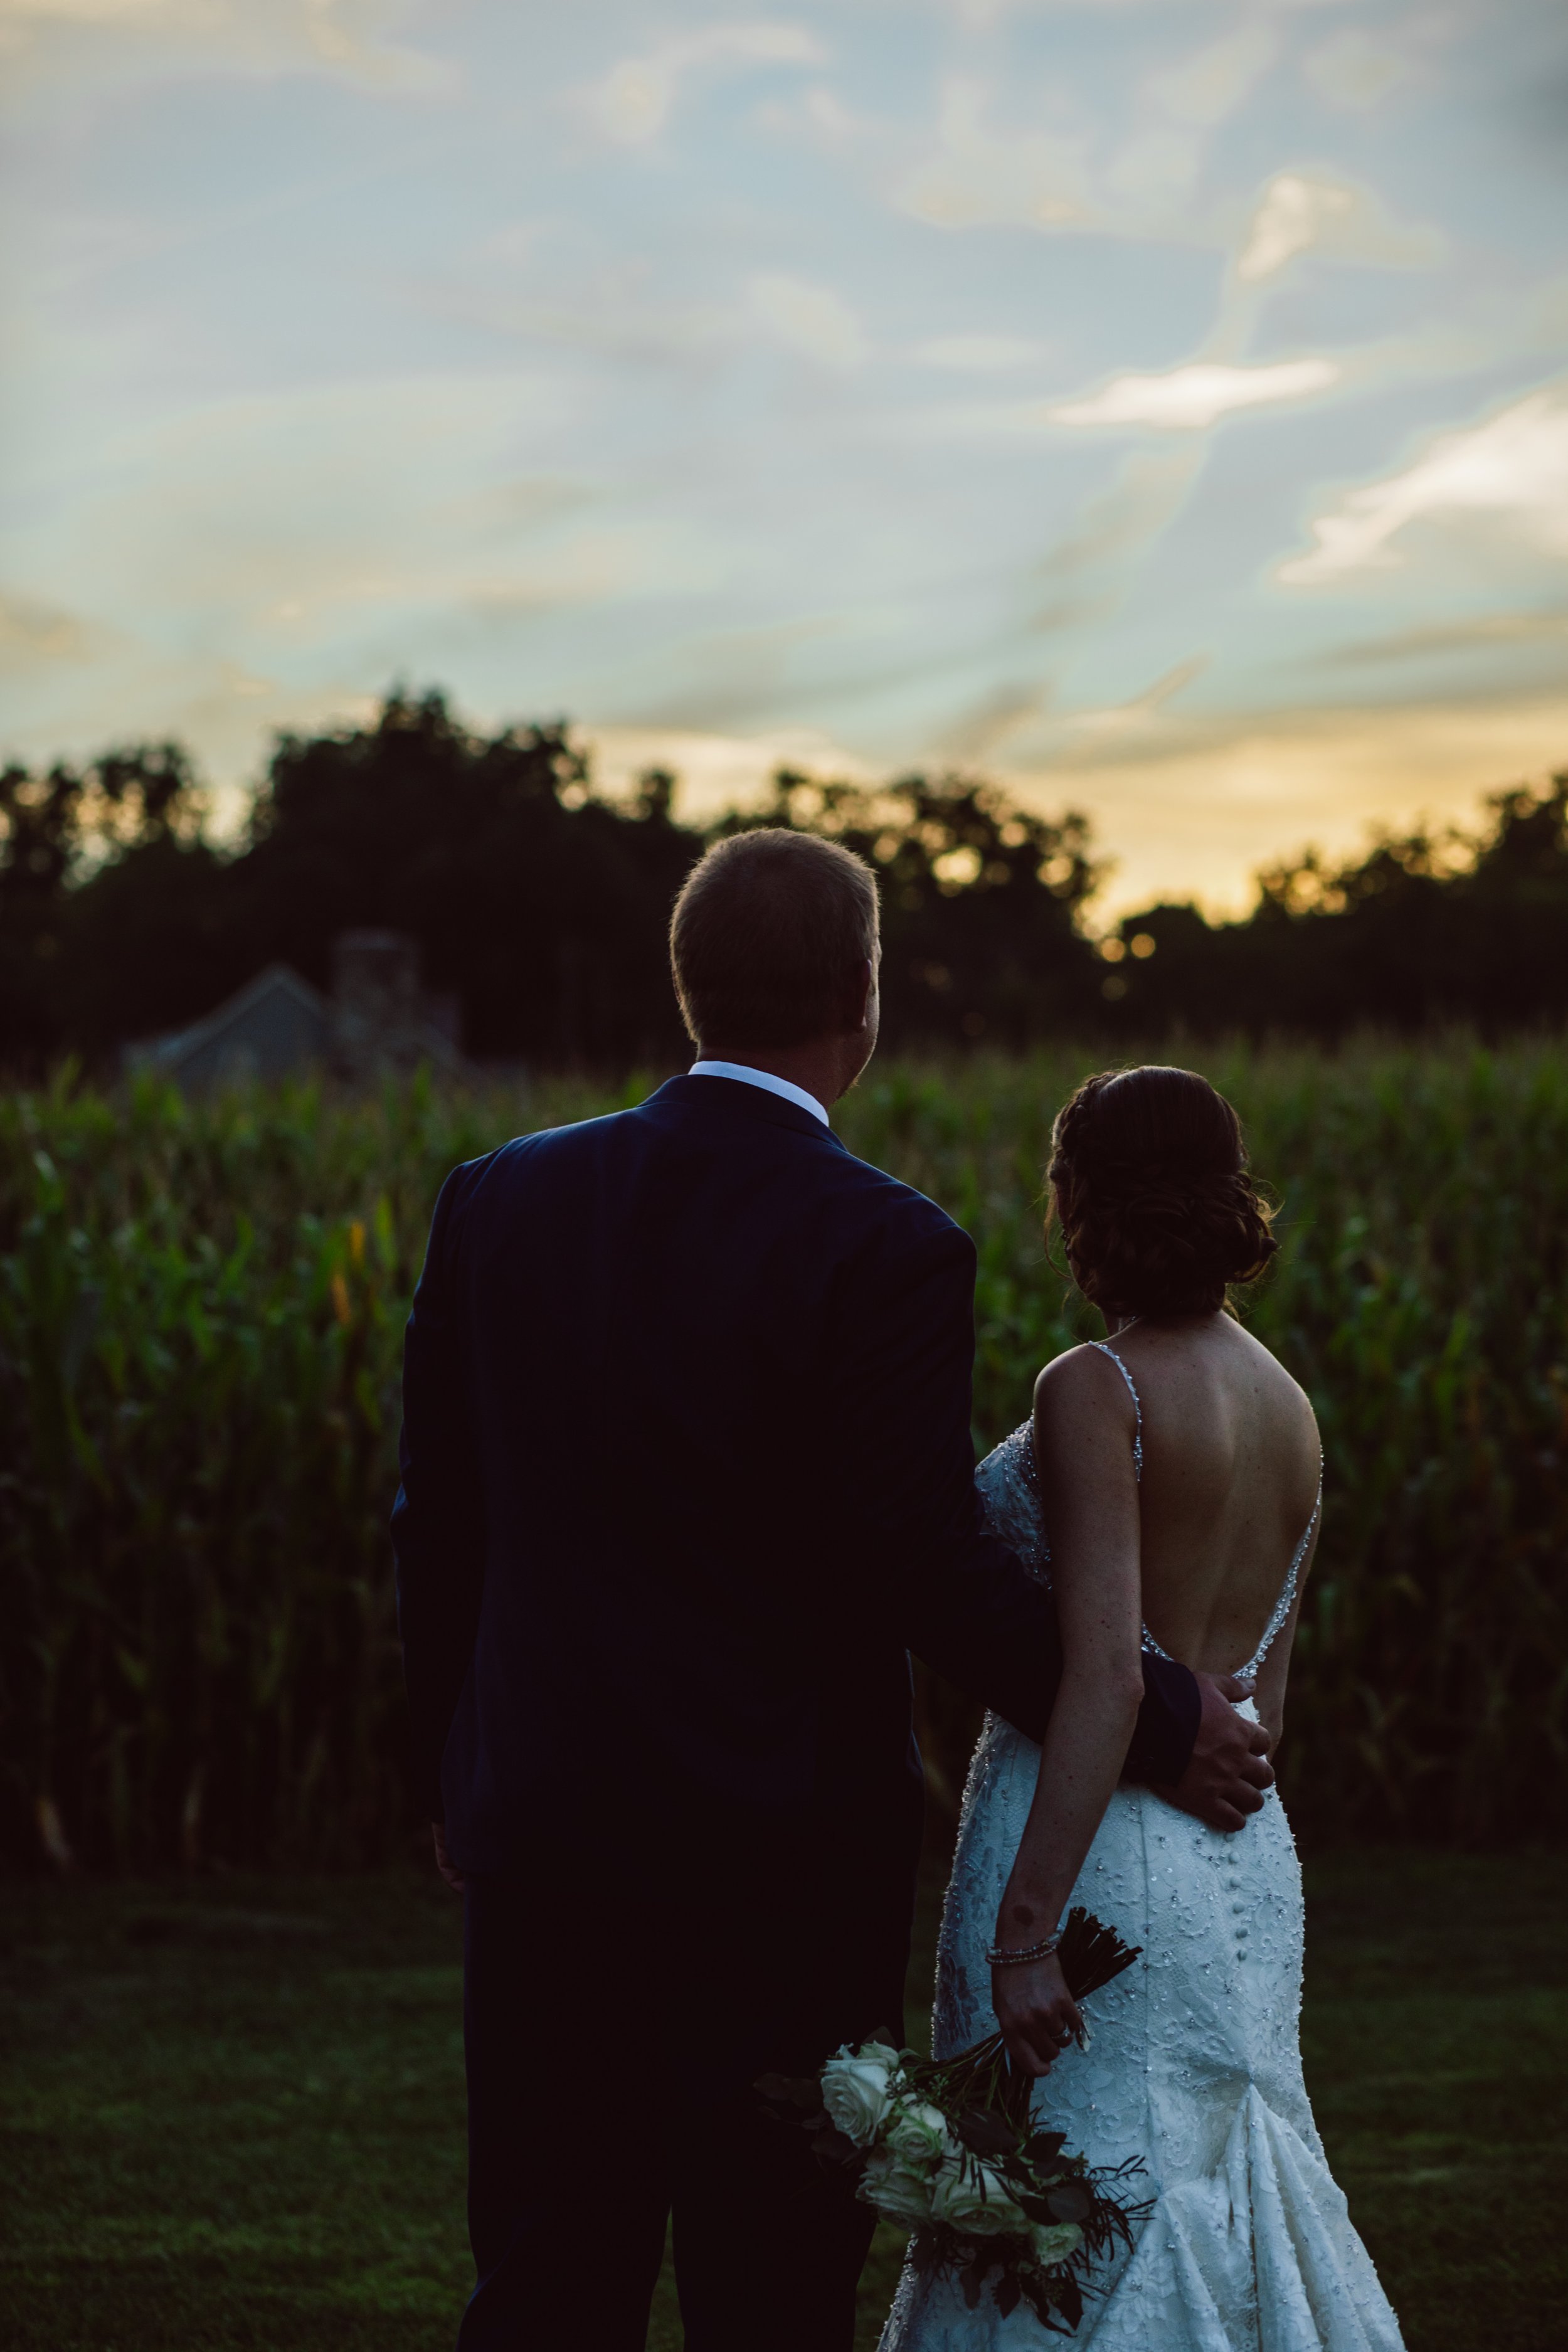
x=1170 y=1485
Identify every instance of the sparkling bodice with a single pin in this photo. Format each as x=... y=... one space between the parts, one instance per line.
x=1009 y=1483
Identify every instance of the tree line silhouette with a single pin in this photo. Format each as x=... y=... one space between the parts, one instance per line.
x=543 y=907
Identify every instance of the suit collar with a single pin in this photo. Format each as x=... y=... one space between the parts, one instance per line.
x=732 y=1098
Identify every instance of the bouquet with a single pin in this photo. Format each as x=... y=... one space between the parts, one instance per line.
x=948 y=2148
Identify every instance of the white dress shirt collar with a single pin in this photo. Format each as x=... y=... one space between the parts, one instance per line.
x=764 y=1079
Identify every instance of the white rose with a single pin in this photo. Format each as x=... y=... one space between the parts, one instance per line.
x=896 y=2189
x=976 y=2199
x=1054 y=2241
x=856 y=2090
x=917 y=2134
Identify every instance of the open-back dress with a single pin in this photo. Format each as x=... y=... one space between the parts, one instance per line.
x=1193 y=2064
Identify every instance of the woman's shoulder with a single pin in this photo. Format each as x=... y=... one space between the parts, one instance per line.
x=1286 y=1396
x=1085 y=1379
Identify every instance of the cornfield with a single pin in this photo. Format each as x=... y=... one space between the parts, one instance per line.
x=201 y=1307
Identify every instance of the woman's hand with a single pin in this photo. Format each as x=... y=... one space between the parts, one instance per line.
x=1037 y=2015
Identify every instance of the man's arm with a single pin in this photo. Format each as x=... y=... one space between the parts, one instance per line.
x=438 y=1520
x=963 y=1601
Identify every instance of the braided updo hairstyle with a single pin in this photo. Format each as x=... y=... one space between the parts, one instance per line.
x=1150 y=1187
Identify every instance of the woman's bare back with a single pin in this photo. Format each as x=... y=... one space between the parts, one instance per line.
x=1231 y=1465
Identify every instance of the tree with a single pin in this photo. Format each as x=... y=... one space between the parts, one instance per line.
x=1421 y=930
x=544 y=908
x=63 y=836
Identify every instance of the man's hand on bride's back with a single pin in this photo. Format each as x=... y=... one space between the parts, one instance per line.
x=1229 y=1770
x=444 y=1862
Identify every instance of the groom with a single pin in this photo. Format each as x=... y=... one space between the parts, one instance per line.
x=687 y=1471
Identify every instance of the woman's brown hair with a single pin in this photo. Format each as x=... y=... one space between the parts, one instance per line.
x=1149 y=1186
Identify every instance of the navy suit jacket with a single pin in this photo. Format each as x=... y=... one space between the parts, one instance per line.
x=687 y=1472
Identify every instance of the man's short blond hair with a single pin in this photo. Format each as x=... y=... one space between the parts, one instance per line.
x=769 y=938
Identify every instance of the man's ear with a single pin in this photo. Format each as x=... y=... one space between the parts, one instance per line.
x=858 y=1000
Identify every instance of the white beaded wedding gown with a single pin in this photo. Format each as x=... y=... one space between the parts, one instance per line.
x=1193 y=2064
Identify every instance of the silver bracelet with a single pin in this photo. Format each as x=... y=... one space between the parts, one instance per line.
x=1025 y=1956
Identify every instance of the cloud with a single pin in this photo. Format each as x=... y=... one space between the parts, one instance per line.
x=1299 y=214
x=1145 y=185
x=35 y=635
x=1290 y=219
x=809 y=319
x=1477 y=633
x=1086 y=572
x=632 y=102
x=136 y=14
x=349 y=521
x=1357 y=70
x=984 y=177
x=612 y=319
x=979 y=736
x=978 y=354
x=1156 y=169
x=1510 y=471
x=345 y=40
x=1135 y=717
x=1187 y=399
x=1206 y=86
x=224 y=712
x=730 y=677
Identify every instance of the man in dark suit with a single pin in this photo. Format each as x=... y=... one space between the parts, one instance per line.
x=687 y=1473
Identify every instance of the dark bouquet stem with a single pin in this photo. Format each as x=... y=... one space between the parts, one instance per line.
x=1092 y=1953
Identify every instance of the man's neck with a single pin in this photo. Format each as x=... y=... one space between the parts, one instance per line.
x=822 y=1069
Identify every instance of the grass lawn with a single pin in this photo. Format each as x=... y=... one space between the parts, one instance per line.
x=230 y=2112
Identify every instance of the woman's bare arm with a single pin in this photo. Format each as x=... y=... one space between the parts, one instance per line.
x=1084 y=1429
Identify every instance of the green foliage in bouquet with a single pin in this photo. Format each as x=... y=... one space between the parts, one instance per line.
x=950 y=2149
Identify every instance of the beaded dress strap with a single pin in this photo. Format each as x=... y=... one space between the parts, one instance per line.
x=1105 y=1350
x=1249 y=1673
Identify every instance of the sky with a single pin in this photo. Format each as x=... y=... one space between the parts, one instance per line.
x=1158 y=405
